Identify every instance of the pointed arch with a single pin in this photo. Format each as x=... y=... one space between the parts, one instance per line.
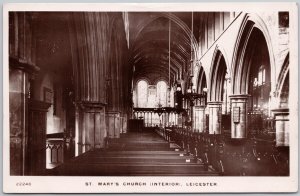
x=283 y=73
x=218 y=71
x=201 y=80
x=282 y=86
x=251 y=24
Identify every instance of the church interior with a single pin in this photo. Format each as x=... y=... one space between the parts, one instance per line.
x=149 y=93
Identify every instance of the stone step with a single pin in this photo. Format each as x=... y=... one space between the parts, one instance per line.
x=95 y=153
x=138 y=155
x=136 y=159
x=140 y=146
x=119 y=169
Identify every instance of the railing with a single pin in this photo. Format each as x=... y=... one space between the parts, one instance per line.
x=158 y=117
x=59 y=148
x=54 y=152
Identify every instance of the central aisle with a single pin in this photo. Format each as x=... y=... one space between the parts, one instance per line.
x=135 y=154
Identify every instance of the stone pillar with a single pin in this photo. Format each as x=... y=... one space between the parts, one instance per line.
x=196 y=119
x=91 y=127
x=77 y=149
x=239 y=116
x=200 y=110
x=167 y=119
x=37 y=125
x=125 y=123
x=214 y=117
x=113 y=124
x=282 y=126
x=17 y=114
x=19 y=75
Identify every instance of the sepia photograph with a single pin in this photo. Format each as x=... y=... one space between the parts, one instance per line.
x=149 y=98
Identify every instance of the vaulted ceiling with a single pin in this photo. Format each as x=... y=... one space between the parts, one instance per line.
x=149 y=44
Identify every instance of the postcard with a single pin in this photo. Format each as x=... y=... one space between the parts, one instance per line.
x=150 y=98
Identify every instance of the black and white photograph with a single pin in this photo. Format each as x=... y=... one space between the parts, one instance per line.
x=150 y=98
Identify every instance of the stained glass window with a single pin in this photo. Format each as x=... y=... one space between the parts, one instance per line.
x=142 y=93
x=162 y=93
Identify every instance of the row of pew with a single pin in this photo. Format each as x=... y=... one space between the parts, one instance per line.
x=252 y=156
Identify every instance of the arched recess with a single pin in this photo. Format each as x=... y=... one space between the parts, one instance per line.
x=201 y=80
x=282 y=86
x=216 y=91
x=253 y=67
x=217 y=76
x=252 y=74
x=281 y=113
x=247 y=48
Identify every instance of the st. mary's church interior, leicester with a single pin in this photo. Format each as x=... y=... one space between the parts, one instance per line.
x=149 y=93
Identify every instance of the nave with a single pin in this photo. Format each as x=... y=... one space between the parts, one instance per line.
x=141 y=153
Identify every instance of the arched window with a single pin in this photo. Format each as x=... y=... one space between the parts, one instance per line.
x=261 y=90
x=142 y=94
x=161 y=94
x=226 y=94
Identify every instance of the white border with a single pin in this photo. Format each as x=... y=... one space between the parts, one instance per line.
x=224 y=184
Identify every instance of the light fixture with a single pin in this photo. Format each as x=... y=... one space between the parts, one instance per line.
x=192 y=31
x=193 y=89
x=227 y=77
x=169 y=51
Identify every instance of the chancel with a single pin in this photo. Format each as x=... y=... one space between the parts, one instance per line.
x=149 y=94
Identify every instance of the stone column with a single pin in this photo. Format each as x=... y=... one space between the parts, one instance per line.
x=151 y=118
x=239 y=116
x=124 y=123
x=282 y=126
x=196 y=119
x=91 y=127
x=201 y=123
x=18 y=79
x=214 y=118
x=19 y=76
x=37 y=125
x=78 y=130
x=113 y=124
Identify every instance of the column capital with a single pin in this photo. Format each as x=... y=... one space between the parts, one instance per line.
x=23 y=65
x=112 y=112
x=240 y=96
x=214 y=103
x=200 y=106
x=279 y=111
x=90 y=106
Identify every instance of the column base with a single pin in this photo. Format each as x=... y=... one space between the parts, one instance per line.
x=113 y=124
x=91 y=131
x=214 y=109
x=282 y=126
x=239 y=116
